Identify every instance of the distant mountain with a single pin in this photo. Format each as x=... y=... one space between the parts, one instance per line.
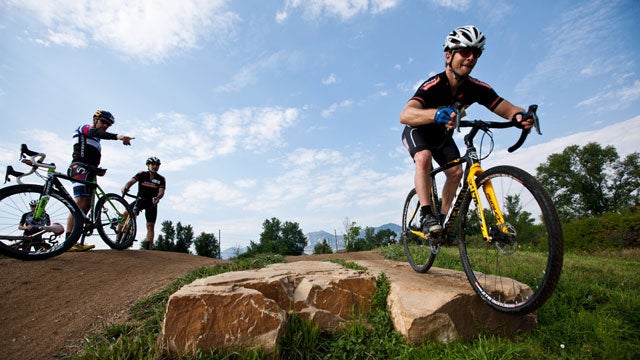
x=317 y=236
x=391 y=226
x=231 y=252
x=334 y=240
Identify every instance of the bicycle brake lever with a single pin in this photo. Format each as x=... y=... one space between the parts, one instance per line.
x=11 y=172
x=25 y=150
x=457 y=108
x=531 y=113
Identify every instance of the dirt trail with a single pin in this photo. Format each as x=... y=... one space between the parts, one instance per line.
x=47 y=307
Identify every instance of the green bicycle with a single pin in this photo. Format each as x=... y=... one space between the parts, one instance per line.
x=53 y=206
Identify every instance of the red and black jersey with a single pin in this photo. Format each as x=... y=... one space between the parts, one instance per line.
x=436 y=92
x=148 y=187
x=87 y=148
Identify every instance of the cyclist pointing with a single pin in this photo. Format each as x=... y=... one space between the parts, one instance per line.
x=429 y=113
x=86 y=158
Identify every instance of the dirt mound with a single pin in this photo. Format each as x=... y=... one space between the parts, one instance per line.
x=48 y=306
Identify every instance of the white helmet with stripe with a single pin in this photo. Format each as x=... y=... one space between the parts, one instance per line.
x=465 y=36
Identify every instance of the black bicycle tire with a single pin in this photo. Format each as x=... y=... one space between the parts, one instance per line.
x=554 y=259
x=36 y=190
x=114 y=243
x=409 y=239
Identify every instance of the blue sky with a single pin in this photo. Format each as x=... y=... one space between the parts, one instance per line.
x=290 y=109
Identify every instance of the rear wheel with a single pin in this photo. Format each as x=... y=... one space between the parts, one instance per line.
x=115 y=221
x=14 y=202
x=417 y=248
x=517 y=269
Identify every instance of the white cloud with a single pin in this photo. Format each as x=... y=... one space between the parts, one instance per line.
x=583 y=39
x=137 y=29
x=331 y=79
x=459 y=5
x=199 y=194
x=69 y=37
x=342 y=9
x=171 y=136
x=249 y=73
x=253 y=129
x=612 y=98
x=335 y=106
x=624 y=136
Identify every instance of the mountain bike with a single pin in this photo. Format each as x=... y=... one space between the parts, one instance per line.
x=107 y=213
x=503 y=220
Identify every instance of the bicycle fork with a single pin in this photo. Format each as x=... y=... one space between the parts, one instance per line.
x=491 y=198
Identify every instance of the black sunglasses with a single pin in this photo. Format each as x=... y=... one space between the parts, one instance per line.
x=467 y=51
x=109 y=123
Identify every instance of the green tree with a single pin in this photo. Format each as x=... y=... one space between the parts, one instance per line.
x=178 y=239
x=293 y=239
x=206 y=244
x=279 y=238
x=383 y=237
x=591 y=180
x=352 y=240
x=521 y=220
x=322 y=248
x=166 y=240
x=184 y=238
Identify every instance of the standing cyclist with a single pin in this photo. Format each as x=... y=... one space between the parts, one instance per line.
x=429 y=113
x=86 y=159
x=151 y=186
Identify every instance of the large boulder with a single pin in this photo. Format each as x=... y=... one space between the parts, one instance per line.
x=440 y=305
x=250 y=308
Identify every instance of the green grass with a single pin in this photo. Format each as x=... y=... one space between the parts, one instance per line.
x=593 y=314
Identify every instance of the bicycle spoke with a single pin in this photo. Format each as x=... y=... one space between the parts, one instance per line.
x=518 y=267
x=418 y=249
x=34 y=244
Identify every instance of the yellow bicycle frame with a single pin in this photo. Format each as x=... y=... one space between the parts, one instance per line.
x=490 y=194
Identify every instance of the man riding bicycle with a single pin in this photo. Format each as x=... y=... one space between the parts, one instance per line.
x=429 y=113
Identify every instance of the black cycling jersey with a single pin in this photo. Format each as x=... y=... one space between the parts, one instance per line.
x=435 y=92
x=27 y=219
x=148 y=187
x=87 y=147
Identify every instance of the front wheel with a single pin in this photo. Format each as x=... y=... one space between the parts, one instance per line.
x=41 y=242
x=115 y=221
x=417 y=248
x=518 y=267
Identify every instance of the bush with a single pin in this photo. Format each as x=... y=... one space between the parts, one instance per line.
x=609 y=231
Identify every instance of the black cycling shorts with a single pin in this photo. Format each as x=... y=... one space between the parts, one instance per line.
x=81 y=171
x=150 y=210
x=443 y=148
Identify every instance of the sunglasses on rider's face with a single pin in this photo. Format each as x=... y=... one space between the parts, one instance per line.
x=467 y=51
x=106 y=122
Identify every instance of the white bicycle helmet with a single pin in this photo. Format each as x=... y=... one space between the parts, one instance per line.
x=465 y=36
x=153 y=160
